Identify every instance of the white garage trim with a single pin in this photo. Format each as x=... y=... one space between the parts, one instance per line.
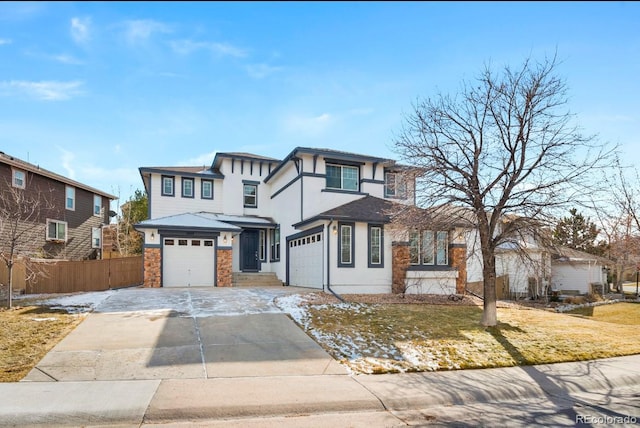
x=188 y=262
x=305 y=258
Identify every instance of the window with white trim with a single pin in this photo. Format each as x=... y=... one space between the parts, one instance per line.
x=375 y=246
x=18 y=179
x=206 y=189
x=342 y=177
x=275 y=244
x=250 y=195
x=187 y=187
x=97 y=205
x=168 y=185
x=394 y=185
x=70 y=200
x=56 y=230
x=345 y=245
x=96 y=237
x=429 y=248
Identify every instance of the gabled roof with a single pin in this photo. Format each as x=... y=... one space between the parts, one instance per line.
x=367 y=209
x=329 y=153
x=569 y=255
x=35 y=169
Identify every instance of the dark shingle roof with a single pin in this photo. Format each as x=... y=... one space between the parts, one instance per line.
x=367 y=209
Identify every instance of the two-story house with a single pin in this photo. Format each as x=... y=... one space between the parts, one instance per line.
x=64 y=216
x=318 y=218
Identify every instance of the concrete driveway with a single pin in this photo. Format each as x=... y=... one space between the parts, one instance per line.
x=188 y=333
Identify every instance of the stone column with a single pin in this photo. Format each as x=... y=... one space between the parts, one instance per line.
x=400 y=263
x=458 y=258
x=152 y=271
x=224 y=274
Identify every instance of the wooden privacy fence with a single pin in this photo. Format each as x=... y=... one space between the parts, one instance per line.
x=74 y=276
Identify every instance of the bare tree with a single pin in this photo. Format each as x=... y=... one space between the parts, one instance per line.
x=619 y=216
x=22 y=229
x=502 y=146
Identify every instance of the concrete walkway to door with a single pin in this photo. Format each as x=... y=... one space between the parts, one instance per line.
x=195 y=333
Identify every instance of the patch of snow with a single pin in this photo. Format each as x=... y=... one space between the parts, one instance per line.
x=44 y=319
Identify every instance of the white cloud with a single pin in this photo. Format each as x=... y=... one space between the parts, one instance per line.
x=80 y=30
x=310 y=126
x=5 y=42
x=139 y=31
x=67 y=59
x=44 y=90
x=260 y=71
x=205 y=159
x=186 y=47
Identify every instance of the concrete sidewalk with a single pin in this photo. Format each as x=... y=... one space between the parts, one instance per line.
x=372 y=399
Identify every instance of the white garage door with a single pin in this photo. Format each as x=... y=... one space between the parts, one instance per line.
x=188 y=262
x=306 y=261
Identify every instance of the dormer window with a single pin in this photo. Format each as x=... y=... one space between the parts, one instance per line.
x=342 y=177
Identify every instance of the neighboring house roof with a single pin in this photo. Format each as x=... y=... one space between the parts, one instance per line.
x=205 y=220
x=569 y=255
x=35 y=169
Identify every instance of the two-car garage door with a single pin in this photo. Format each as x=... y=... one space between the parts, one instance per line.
x=188 y=262
x=306 y=261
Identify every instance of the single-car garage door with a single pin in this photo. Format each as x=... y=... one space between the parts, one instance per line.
x=305 y=261
x=188 y=262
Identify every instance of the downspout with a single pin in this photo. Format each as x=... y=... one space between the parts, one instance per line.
x=329 y=263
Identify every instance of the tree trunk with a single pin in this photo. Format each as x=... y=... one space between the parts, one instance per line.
x=489 y=314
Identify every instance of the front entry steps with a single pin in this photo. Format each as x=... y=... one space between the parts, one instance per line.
x=256 y=279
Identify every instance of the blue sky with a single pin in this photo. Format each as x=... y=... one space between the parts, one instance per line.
x=94 y=91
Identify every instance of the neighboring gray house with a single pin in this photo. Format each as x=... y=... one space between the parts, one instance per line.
x=577 y=272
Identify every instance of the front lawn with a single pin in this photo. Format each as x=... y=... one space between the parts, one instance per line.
x=382 y=338
x=27 y=334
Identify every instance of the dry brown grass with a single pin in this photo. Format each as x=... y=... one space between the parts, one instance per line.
x=27 y=334
x=378 y=338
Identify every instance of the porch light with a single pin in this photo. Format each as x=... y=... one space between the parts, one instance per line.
x=153 y=236
x=335 y=229
x=224 y=238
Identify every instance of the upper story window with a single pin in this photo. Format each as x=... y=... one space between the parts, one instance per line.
x=394 y=185
x=18 y=179
x=187 y=187
x=342 y=177
x=56 y=230
x=168 y=187
x=429 y=248
x=250 y=195
x=206 y=189
x=97 y=205
x=70 y=200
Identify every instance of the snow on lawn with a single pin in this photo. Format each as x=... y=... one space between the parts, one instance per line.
x=361 y=354
x=72 y=303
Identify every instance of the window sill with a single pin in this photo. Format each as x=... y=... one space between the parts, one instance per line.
x=430 y=268
x=350 y=192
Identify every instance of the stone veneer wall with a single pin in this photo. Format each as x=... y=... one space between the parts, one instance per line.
x=458 y=258
x=152 y=267
x=400 y=263
x=225 y=268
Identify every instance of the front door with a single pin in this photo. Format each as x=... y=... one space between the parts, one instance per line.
x=249 y=251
